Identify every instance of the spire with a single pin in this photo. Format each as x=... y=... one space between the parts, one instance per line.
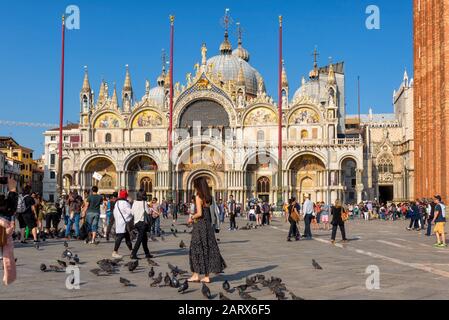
x=284 y=76
x=147 y=87
x=225 y=47
x=127 y=85
x=101 y=93
x=314 y=73
x=86 y=84
x=241 y=76
x=240 y=52
x=331 y=78
x=405 y=78
x=114 y=99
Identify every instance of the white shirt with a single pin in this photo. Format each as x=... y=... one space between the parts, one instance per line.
x=123 y=207
x=307 y=207
x=138 y=209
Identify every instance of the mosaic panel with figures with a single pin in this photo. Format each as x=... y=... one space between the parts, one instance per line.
x=147 y=118
x=304 y=116
x=261 y=116
x=108 y=121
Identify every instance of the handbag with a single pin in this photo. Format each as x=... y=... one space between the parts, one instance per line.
x=344 y=215
x=146 y=217
x=294 y=215
x=3 y=237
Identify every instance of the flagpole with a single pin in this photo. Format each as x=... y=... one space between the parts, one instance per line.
x=61 y=111
x=279 y=194
x=170 y=125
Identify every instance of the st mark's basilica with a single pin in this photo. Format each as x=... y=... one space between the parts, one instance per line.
x=225 y=128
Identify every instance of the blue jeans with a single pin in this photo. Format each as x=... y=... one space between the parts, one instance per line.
x=307 y=220
x=156 y=226
x=92 y=219
x=75 y=220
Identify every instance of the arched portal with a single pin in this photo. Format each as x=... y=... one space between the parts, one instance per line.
x=349 y=180
x=308 y=178
x=141 y=172
x=260 y=171
x=101 y=172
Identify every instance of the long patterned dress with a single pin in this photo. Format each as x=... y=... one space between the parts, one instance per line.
x=205 y=256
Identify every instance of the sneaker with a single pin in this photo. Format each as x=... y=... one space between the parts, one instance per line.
x=442 y=245
x=409 y=229
x=333 y=241
x=437 y=244
x=36 y=244
x=289 y=240
x=149 y=256
x=116 y=255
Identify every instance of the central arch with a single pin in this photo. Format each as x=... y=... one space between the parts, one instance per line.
x=141 y=173
x=213 y=181
x=260 y=172
x=308 y=178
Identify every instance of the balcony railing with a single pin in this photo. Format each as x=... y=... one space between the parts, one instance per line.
x=128 y=145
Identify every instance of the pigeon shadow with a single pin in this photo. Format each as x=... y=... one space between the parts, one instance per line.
x=171 y=252
x=243 y=274
x=232 y=242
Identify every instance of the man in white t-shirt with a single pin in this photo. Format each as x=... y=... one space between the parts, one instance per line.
x=307 y=210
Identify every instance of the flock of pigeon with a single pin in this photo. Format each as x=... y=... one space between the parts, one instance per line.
x=177 y=278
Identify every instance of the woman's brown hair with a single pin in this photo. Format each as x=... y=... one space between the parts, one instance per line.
x=202 y=188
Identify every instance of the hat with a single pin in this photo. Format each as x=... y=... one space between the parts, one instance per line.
x=438 y=197
x=123 y=194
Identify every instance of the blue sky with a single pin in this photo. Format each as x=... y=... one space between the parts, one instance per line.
x=116 y=33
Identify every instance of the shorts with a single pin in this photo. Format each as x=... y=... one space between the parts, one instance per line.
x=40 y=216
x=92 y=219
x=439 y=227
x=324 y=218
x=52 y=219
x=27 y=220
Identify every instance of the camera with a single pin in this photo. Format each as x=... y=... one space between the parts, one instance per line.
x=3 y=180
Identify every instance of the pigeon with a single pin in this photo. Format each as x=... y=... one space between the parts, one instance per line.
x=98 y=272
x=56 y=268
x=295 y=297
x=255 y=287
x=151 y=273
x=76 y=259
x=43 y=267
x=226 y=286
x=105 y=266
x=72 y=263
x=176 y=270
x=246 y=296
x=132 y=265
x=66 y=245
x=316 y=265
x=242 y=287
x=153 y=238
x=183 y=288
x=167 y=280
x=222 y=296
x=260 y=277
x=152 y=263
x=205 y=291
x=157 y=280
x=265 y=283
x=62 y=263
x=116 y=262
x=175 y=282
x=280 y=295
x=67 y=254
x=251 y=281
x=182 y=245
x=125 y=282
x=174 y=234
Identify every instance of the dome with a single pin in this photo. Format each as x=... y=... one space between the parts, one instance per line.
x=241 y=53
x=228 y=66
x=312 y=89
x=157 y=94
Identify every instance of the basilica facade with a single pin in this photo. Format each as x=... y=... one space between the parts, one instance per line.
x=225 y=128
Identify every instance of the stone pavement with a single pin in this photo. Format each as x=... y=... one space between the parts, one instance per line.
x=410 y=267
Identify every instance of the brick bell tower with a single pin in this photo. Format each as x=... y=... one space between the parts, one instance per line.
x=431 y=98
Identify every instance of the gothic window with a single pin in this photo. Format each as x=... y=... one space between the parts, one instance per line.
x=385 y=164
x=263 y=185
x=108 y=138
x=147 y=137
x=260 y=135
x=147 y=185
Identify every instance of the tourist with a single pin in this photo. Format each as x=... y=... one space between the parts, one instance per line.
x=204 y=255
x=307 y=211
x=122 y=215
x=221 y=208
x=111 y=219
x=337 y=221
x=75 y=203
x=440 y=221
x=140 y=211
x=8 y=207
x=40 y=214
x=259 y=213
x=414 y=217
x=103 y=216
x=232 y=213
x=155 y=212
x=325 y=216
x=265 y=213
x=27 y=215
x=293 y=211
x=430 y=216
x=91 y=214
x=52 y=218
